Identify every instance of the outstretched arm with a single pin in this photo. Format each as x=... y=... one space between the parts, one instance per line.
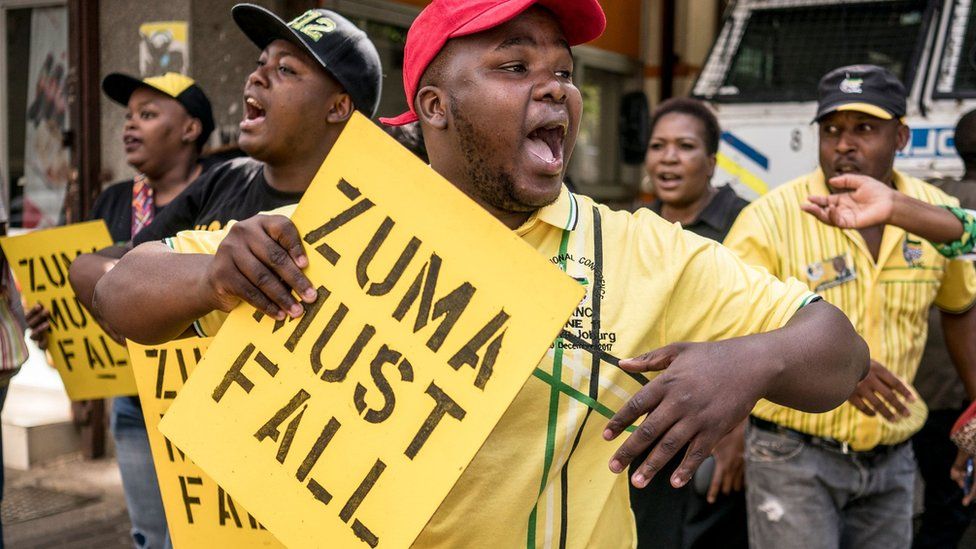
x=813 y=364
x=260 y=261
x=866 y=202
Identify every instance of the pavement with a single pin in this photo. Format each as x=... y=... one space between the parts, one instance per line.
x=74 y=504
x=67 y=503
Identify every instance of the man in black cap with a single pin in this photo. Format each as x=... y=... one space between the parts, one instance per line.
x=946 y=514
x=847 y=477
x=313 y=72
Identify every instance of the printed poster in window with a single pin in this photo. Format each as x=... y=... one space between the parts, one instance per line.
x=47 y=161
x=163 y=48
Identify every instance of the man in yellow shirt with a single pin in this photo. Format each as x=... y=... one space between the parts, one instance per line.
x=491 y=83
x=846 y=477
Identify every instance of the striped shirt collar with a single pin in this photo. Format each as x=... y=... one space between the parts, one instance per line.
x=562 y=214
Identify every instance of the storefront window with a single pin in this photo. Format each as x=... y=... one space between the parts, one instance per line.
x=38 y=164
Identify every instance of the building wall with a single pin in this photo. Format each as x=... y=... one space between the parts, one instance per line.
x=623 y=34
x=119 y=22
x=696 y=25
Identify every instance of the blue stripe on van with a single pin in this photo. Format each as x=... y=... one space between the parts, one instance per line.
x=746 y=149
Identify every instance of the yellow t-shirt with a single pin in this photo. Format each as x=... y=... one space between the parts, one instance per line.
x=887 y=301
x=205 y=241
x=542 y=476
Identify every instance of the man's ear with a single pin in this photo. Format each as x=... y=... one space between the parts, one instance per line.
x=904 y=133
x=432 y=106
x=191 y=130
x=342 y=108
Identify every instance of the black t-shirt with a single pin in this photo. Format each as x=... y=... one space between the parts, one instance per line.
x=716 y=218
x=234 y=190
x=114 y=205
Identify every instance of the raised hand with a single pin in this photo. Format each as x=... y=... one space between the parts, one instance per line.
x=39 y=323
x=861 y=202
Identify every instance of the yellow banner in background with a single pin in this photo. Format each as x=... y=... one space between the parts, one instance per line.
x=164 y=46
x=349 y=426
x=199 y=513
x=92 y=365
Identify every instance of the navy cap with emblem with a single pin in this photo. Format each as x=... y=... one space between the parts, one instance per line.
x=339 y=46
x=869 y=89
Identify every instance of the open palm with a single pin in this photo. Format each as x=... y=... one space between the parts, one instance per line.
x=861 y=202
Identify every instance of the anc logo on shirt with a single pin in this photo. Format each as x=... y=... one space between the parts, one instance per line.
x=313 y=25
x=912 y=251
x=851 y=85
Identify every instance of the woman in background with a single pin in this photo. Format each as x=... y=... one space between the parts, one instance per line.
x=168 y=120
x=680 y=163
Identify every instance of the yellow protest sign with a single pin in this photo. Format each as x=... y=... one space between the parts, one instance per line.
x=91 y=364
x=199 y=513
x=349 y=426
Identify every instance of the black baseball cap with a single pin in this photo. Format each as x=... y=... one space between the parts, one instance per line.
x=869 y=89
x=339 y=46
x=119 y=87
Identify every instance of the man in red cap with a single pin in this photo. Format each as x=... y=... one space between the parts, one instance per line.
x=491 y=84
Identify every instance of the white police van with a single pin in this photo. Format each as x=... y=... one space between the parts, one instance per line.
x=761 y=76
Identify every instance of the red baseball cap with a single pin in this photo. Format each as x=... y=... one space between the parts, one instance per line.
x=581 y=21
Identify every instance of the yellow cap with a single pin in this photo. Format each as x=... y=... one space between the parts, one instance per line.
x=171 y=83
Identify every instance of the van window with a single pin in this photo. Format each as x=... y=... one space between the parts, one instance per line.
x=957 y=68
x=780 y=54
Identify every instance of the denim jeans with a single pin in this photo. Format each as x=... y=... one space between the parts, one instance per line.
x=139 y=482
x=804 y=496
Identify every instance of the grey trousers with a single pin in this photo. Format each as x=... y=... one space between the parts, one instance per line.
x=804 y=496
